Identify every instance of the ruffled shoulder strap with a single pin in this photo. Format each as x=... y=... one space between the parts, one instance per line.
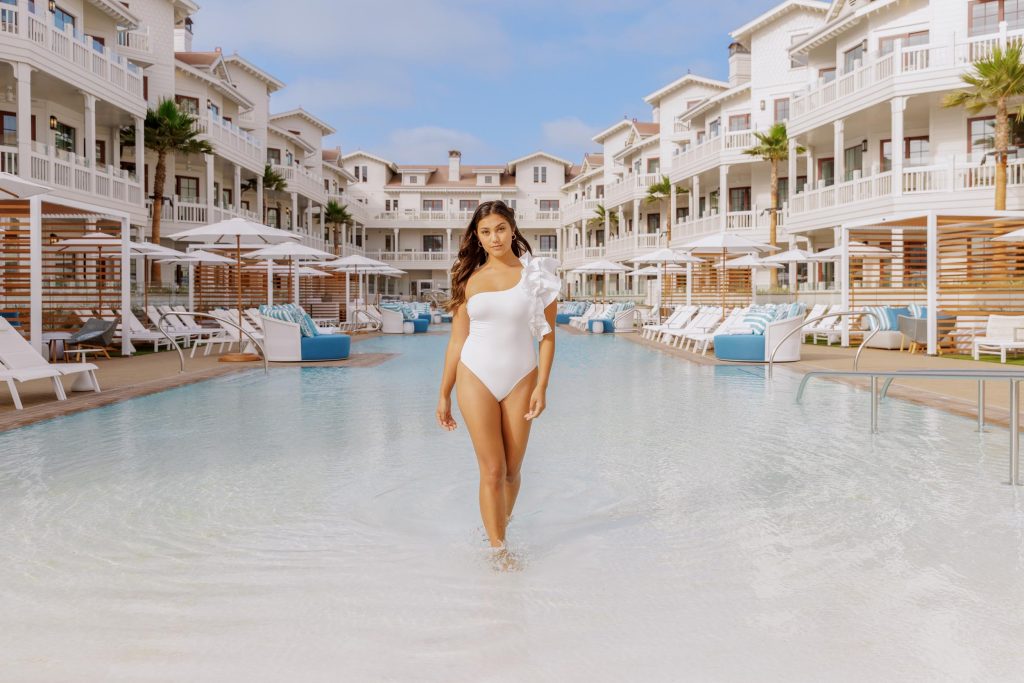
x=540 y=278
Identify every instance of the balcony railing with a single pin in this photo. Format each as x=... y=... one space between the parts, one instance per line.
x=632 y=186
x=64 y=170
x=734 y=142
x=954 y=177
x=438 y=258
x=33 y=23
x=302 y=180
x=135 y=39
x=631 y=244
x=177 y=210
x=228 y=136
x=459 y=218
x=735 y=221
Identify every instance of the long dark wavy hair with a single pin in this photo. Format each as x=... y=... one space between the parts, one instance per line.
x=472 y=254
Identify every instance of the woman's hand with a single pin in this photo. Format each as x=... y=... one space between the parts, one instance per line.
x=537 y=403
x=444 y=413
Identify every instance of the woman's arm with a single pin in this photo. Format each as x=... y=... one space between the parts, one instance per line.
x=546 y=357
x=459 y=332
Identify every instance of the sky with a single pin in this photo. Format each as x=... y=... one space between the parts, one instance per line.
x=410 y=79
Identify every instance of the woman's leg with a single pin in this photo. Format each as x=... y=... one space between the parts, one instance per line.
x=482 y=414
x=515 y=432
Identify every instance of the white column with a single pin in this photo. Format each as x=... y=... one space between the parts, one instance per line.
x=259 y=198
x=932 y=279
x=309 y=216
x=673 y=204
x=695 y=197
x=622 y=226
x=844 y=282
x=323 y=220
x=295 y=211
x=636 y=223
x=791 y=170
x=723 y=196
x=210 y=199
x=898 y=105
x=115 y=151
x=191 y=286
x=839 y=150
x=23 y=74
x=126 y=291
x=236 y=191
x=90 y=137
x=812 y=169
x=448 y=241
x=270 y=282
x=35 y=271
x=140 y=154
x=395 y=240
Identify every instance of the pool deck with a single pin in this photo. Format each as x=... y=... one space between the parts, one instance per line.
x=954 y=396
x=124 y=378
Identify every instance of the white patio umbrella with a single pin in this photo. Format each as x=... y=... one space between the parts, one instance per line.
x=290 y=251
x=150 y=251
x=355 y=263
x=748 y=261
x=198 y=256
x=1015 y=236
x=857 y=250
x=725 y=243
x=93 y=242
x=663 y=256
x=233 y=230
x=791 y=257
x=602 y=267
x=16 y=187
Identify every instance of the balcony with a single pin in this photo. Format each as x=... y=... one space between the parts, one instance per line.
x=904 y=71
x=233 y=143
x=754 y=221
x=629 y=245
x=187 y=213
x=582 y=210
x=135 y=45
x=74 y=175
x=722 y=149
x=409 y=218
x=573 y=258
x=29 y=35
x=416 y=260
x=632 y=186
x=954 y=186
x=303 y=181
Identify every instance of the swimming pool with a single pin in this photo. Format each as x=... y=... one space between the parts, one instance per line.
x=677 y=522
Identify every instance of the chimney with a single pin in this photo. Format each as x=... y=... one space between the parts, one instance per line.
x=739 y=65
x=183 y=36
x=454 y=165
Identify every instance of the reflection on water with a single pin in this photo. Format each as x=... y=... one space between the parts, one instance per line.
x=676 y=522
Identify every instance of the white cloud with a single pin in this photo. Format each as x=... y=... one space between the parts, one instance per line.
x=322 y=96
x=430 y=145
x=568 y=136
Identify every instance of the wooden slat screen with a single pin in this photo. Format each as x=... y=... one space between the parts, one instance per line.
x=708 y=283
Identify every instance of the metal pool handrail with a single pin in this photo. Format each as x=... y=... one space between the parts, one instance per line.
x=1013 y=377
x=220 y=319
x=856 y=357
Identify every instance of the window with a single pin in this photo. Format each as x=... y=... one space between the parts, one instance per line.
x=547 y=243
x=226 y=197
x=739 y=199
x=636 y=167
x=273 y=156
x=701 y=136
x=468 y=204
x=654 y=165
x=690 y=104
x=364 y=173
x=981 y=138
x=391 y=205
x=289 y=158
x=245 y=204
x=64 y=138
x=915 y=152
x=827 y=171
x=827 y=75
x=739 y=122
x=784 y=187
x=189 y=105
x=488 y=180
x=888 y=43
x=511 y=203
x=413 y=179
x=853 y=58
x=216 y=194
x=540 y=174
x=682 y=213
x=984 y=15
x=714 y=128
x=101 y=153
x=61 y=19
x=781 y=107
x=797 y=61
x=433 y=205
x=653 y=223
x=433 y=243
x=389 y=243
x=713 y=201
x=853 y=160
x=548 y=205
x=214 y=109
x=8 y=128
x=273 y=218
x=187 y=188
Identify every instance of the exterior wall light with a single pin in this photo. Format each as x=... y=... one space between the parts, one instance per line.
x=52 y=6
x=53 y=123
x=864 y=145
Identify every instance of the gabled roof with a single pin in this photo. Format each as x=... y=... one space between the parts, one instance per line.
x=305 y=116
x=515 y=162
x=834 y=27
x=118 y=11
x=372 y=157
x=611 y=130
x=834 y=9
x=578 y=175
x=217 y=84
x=592 y=160
x=288 y=135
x=776 y=12
x=437 y=177
x=273 y=84
x=656 y=96
x=646 y=128
x=712 y=101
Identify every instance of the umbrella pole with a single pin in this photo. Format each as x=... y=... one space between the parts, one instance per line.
x=145 y=283
x=241 y=356
x=721 y=283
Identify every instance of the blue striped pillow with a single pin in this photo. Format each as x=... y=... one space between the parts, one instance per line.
x=882 y=323
x=758 y=317
x=918 y=311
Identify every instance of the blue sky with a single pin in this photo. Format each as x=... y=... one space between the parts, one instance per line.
x=410 y=79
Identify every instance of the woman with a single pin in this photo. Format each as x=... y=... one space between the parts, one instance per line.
x=502 y=300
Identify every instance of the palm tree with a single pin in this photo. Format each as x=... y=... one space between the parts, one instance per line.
x=169 y=130
x=598 y=219
x=337 y=215
x=660 y=190
x=993 y=82
x=773 y=147
x=272 y=182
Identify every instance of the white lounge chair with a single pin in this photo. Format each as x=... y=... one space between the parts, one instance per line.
x=19 y=362
x=1002 y=333
x=677 y=318
x=704 y=320
x=705 y=340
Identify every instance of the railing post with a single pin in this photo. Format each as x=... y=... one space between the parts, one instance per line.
x=1014 y=432
x=874 y=404
x=981 y=405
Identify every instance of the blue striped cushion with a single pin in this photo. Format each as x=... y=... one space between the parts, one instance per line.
x=918 y=311
x=758 y=317
x=883 y=317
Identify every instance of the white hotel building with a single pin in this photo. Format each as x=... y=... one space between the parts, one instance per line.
x=859 y=82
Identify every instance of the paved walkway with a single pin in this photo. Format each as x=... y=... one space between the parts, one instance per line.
x=123 y=378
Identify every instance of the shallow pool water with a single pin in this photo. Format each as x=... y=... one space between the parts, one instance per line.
x=676 y=522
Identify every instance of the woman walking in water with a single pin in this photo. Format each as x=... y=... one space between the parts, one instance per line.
x=502 y=302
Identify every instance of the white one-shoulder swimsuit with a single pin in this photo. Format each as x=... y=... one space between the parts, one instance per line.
x=504 y=324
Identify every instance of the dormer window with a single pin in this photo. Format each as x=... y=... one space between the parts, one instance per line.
x=413 y=179
x=488 y=180
x=540 y=174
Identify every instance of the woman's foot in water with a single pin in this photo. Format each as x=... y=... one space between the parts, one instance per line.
x=503 y=560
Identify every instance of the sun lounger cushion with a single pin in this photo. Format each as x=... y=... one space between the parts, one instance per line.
x=420 y=325
x=917 y=311
x=740 y=346
x=326 y=347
